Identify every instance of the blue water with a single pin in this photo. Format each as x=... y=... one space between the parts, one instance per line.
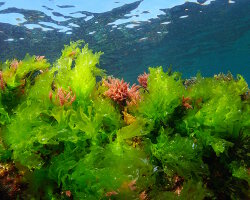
x=196 y=36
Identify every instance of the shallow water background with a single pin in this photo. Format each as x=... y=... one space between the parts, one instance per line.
x=196 y=36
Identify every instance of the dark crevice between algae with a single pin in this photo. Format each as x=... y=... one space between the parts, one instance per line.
x=69 y=131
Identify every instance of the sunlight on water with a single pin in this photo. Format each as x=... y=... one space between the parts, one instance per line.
x=190 y=36
x=61 y=11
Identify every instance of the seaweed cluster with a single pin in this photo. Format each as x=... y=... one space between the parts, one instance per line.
x=68 y=136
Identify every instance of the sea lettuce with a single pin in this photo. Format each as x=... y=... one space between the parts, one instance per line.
x=71 y=132
x=162 y=97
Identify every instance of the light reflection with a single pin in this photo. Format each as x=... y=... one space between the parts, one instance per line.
x=12 y=18
x=66 y=10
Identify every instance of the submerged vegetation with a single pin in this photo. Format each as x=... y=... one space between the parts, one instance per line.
x=65 y=135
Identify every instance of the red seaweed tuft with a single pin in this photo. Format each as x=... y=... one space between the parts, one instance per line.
x=2 y=83
x=185 y=102
x=63 y=97
x=143 y=80
x=120 y=92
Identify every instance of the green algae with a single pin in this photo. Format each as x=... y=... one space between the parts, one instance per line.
x=71 y=141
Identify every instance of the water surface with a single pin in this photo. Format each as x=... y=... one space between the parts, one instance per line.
x=207 y=36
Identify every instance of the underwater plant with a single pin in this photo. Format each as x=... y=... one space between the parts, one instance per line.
x=143 y=80
x=65 y=135
x=120 y=92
